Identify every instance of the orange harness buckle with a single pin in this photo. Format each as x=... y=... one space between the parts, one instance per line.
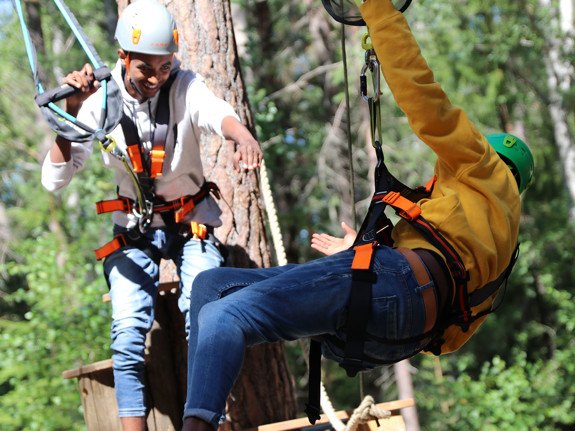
x=186 y=205
x=157 y=162
x=118 y=242
x=363 y=255
x=199 y=231
x=408 y=209
x=120 y=204
x=136 y=158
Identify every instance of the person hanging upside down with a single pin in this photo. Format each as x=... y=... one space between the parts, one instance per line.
x=474 y=205
x=157 y=95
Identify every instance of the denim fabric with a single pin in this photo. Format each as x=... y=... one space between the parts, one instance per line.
x=234 y=308
x=133 y=277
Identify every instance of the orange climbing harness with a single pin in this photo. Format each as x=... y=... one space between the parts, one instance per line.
x=145 y=168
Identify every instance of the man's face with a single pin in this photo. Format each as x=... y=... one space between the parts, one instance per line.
x=147 y=72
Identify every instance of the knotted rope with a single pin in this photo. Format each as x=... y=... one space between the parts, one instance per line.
x=367 y=411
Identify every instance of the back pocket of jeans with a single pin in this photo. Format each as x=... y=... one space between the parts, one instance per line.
x=382 y=322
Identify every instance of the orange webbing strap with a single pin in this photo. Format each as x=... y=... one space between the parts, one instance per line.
x=429 y=185
x=120 y=204
x=408 y=209
x=362 y=258
x=118 y=242
x=136 y=158
x=157 y=156
x=186 y=205
x=199 y=231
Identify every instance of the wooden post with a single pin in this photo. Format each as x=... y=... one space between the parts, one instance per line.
x=165 y=369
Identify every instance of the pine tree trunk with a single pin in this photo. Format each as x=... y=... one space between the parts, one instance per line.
x=264 y=392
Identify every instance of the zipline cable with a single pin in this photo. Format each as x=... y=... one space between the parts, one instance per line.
x=348 y=125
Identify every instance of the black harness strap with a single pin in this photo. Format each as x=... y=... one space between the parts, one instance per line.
x=141 y=160
x=312 y=408
x=480 y=295
x=359 y=307
x=376 y=228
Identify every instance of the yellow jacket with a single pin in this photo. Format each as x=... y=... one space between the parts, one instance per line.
x=475 y=203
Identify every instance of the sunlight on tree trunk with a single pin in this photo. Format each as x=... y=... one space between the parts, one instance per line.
x=559 y=72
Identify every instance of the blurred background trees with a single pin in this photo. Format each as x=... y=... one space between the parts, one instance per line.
x=507 y=63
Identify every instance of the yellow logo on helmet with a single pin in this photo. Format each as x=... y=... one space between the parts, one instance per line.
x=136 y=33
x=509 y=141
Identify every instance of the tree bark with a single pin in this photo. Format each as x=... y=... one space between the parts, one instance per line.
x=264 y=391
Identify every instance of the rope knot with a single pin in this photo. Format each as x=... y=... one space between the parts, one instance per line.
x=366 y=412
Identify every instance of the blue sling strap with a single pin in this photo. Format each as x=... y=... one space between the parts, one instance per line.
x=71 y=128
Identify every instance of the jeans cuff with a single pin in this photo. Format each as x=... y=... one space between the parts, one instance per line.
x=132 y=413
x=210 y=417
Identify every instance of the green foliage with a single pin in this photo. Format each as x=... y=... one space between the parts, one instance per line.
x=51 y=315
x=63 y=327
x=516 y=372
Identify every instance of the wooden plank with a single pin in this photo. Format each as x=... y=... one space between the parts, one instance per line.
x=99 y=401
x=166 y=409
x=394 y=423
x=341 y=415
x=87 y=369
x=89 y=403
x=105 y=399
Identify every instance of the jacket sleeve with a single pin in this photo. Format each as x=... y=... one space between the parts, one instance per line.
x=206 y=109
x=442 y=126
x=56 y=176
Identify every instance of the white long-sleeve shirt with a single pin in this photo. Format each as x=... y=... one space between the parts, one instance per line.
x=194 y=108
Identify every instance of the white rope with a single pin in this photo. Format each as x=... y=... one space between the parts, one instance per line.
x=367 y=411
x=269 y=204
x=272 y=216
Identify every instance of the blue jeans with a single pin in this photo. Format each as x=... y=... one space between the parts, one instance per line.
x=133 y=277
x=234 y=308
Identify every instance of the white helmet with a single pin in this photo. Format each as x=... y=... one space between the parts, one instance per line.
x=147 y=27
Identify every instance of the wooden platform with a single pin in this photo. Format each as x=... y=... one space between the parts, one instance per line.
x=165 y=370
x=165 y=374
x=96 y=385
x=393 y=423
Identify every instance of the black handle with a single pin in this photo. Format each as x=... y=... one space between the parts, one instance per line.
x=64 y=91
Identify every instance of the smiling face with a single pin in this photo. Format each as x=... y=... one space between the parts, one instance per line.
x=145 y=73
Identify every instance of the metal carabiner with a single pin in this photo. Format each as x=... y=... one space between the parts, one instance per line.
x=108 y=144
x=372 y=64
x=144 y=215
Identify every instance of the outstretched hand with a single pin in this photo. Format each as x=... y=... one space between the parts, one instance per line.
x=329 y=245
x=248 y=155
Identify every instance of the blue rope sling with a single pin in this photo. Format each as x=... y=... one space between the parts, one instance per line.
x=71 y=128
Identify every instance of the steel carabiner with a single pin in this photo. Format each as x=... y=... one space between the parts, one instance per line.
x=372 y=64
x=144 y=216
